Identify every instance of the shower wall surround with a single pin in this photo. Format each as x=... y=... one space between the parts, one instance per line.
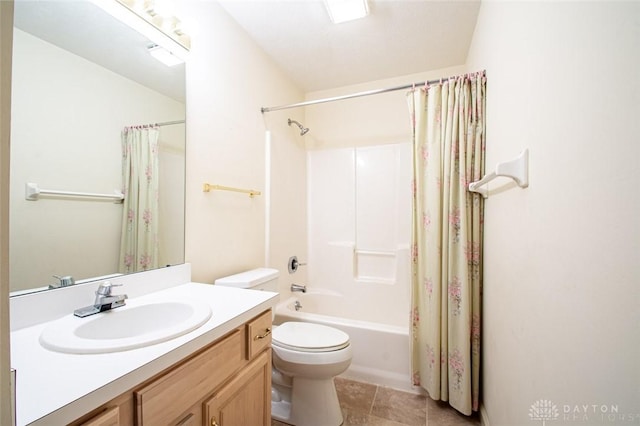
x=359 y=204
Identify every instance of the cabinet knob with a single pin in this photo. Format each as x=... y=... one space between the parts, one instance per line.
x=262 y=336
x=214 y=422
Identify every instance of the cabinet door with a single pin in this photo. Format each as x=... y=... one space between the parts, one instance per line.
x=245 y=400
x=163 y=400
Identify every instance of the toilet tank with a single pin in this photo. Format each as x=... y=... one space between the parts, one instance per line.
x=255 y=279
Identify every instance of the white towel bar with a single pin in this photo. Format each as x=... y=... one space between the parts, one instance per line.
x=32 y=191
x=516 y=169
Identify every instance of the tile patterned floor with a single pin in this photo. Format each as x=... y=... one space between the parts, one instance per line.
x=371 y=405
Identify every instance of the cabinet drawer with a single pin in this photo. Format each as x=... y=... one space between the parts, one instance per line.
x=165 y=399
x=259 y=334
x=119 y=411
x=109 y=417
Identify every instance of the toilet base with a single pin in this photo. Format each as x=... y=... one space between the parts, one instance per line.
x=314 y=403
x=280 y=402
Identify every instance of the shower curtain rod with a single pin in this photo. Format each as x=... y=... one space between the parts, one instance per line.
x=357 y=95
x=165 y=123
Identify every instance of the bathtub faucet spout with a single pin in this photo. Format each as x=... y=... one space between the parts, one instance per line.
x=298 y=287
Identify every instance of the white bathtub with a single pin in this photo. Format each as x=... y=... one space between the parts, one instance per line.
x=381 y=352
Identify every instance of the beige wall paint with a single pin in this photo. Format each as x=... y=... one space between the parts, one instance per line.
x=561 y=289
x=288 y=213
x=371 y=120
x=228 y=80
x=6 y=33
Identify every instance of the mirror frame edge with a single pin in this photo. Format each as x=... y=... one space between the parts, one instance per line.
x=6 y=48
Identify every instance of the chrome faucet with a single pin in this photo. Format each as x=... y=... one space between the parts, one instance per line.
x=298 y=287
x=104 y=298
x=105 y=301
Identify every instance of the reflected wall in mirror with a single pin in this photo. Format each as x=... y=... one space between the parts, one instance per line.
x=79 y=77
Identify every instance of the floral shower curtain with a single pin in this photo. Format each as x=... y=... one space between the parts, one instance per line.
x=139 y=238
x=449 y=140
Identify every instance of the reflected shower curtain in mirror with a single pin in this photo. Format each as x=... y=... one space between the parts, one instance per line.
x=449 y=139
x=139 y=239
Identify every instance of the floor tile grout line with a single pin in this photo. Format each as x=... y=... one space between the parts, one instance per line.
x=430 y=409
x=373 y=400
x=426 y=410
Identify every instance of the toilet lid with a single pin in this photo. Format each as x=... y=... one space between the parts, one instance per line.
x=307 y=337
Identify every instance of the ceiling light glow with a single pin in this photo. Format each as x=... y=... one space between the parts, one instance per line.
x=346 y=10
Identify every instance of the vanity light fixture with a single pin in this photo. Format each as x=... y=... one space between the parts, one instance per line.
x=142 y=15
x=164 y=56
x=346 y=10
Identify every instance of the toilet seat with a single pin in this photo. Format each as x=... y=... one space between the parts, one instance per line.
x=308 y=337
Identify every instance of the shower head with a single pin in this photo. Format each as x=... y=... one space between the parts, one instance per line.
x=303 y=130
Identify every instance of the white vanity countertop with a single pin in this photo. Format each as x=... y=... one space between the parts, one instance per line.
x=57 y=388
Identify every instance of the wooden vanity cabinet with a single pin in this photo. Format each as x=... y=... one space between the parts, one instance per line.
x=109 y=417
x=241 y=401
x=227 y=383
x=117 y=412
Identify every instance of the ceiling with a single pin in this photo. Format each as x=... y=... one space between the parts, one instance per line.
x=399 y=37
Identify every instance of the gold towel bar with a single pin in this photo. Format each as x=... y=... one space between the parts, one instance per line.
x=209 y=187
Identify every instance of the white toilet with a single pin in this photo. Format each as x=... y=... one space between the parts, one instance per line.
x=306 y=358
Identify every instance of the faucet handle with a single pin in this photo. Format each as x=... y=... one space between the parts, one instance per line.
x=104 y=289
x=294 y=264
x=65 y=281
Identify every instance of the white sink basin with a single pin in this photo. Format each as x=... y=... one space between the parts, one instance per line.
x=124 y=328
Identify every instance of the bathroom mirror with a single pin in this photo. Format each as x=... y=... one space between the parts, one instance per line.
x=79 y=77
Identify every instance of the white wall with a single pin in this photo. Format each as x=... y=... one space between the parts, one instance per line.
x=561 y=291
x=228 y=80
x=67 y=115
x=171 y=157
